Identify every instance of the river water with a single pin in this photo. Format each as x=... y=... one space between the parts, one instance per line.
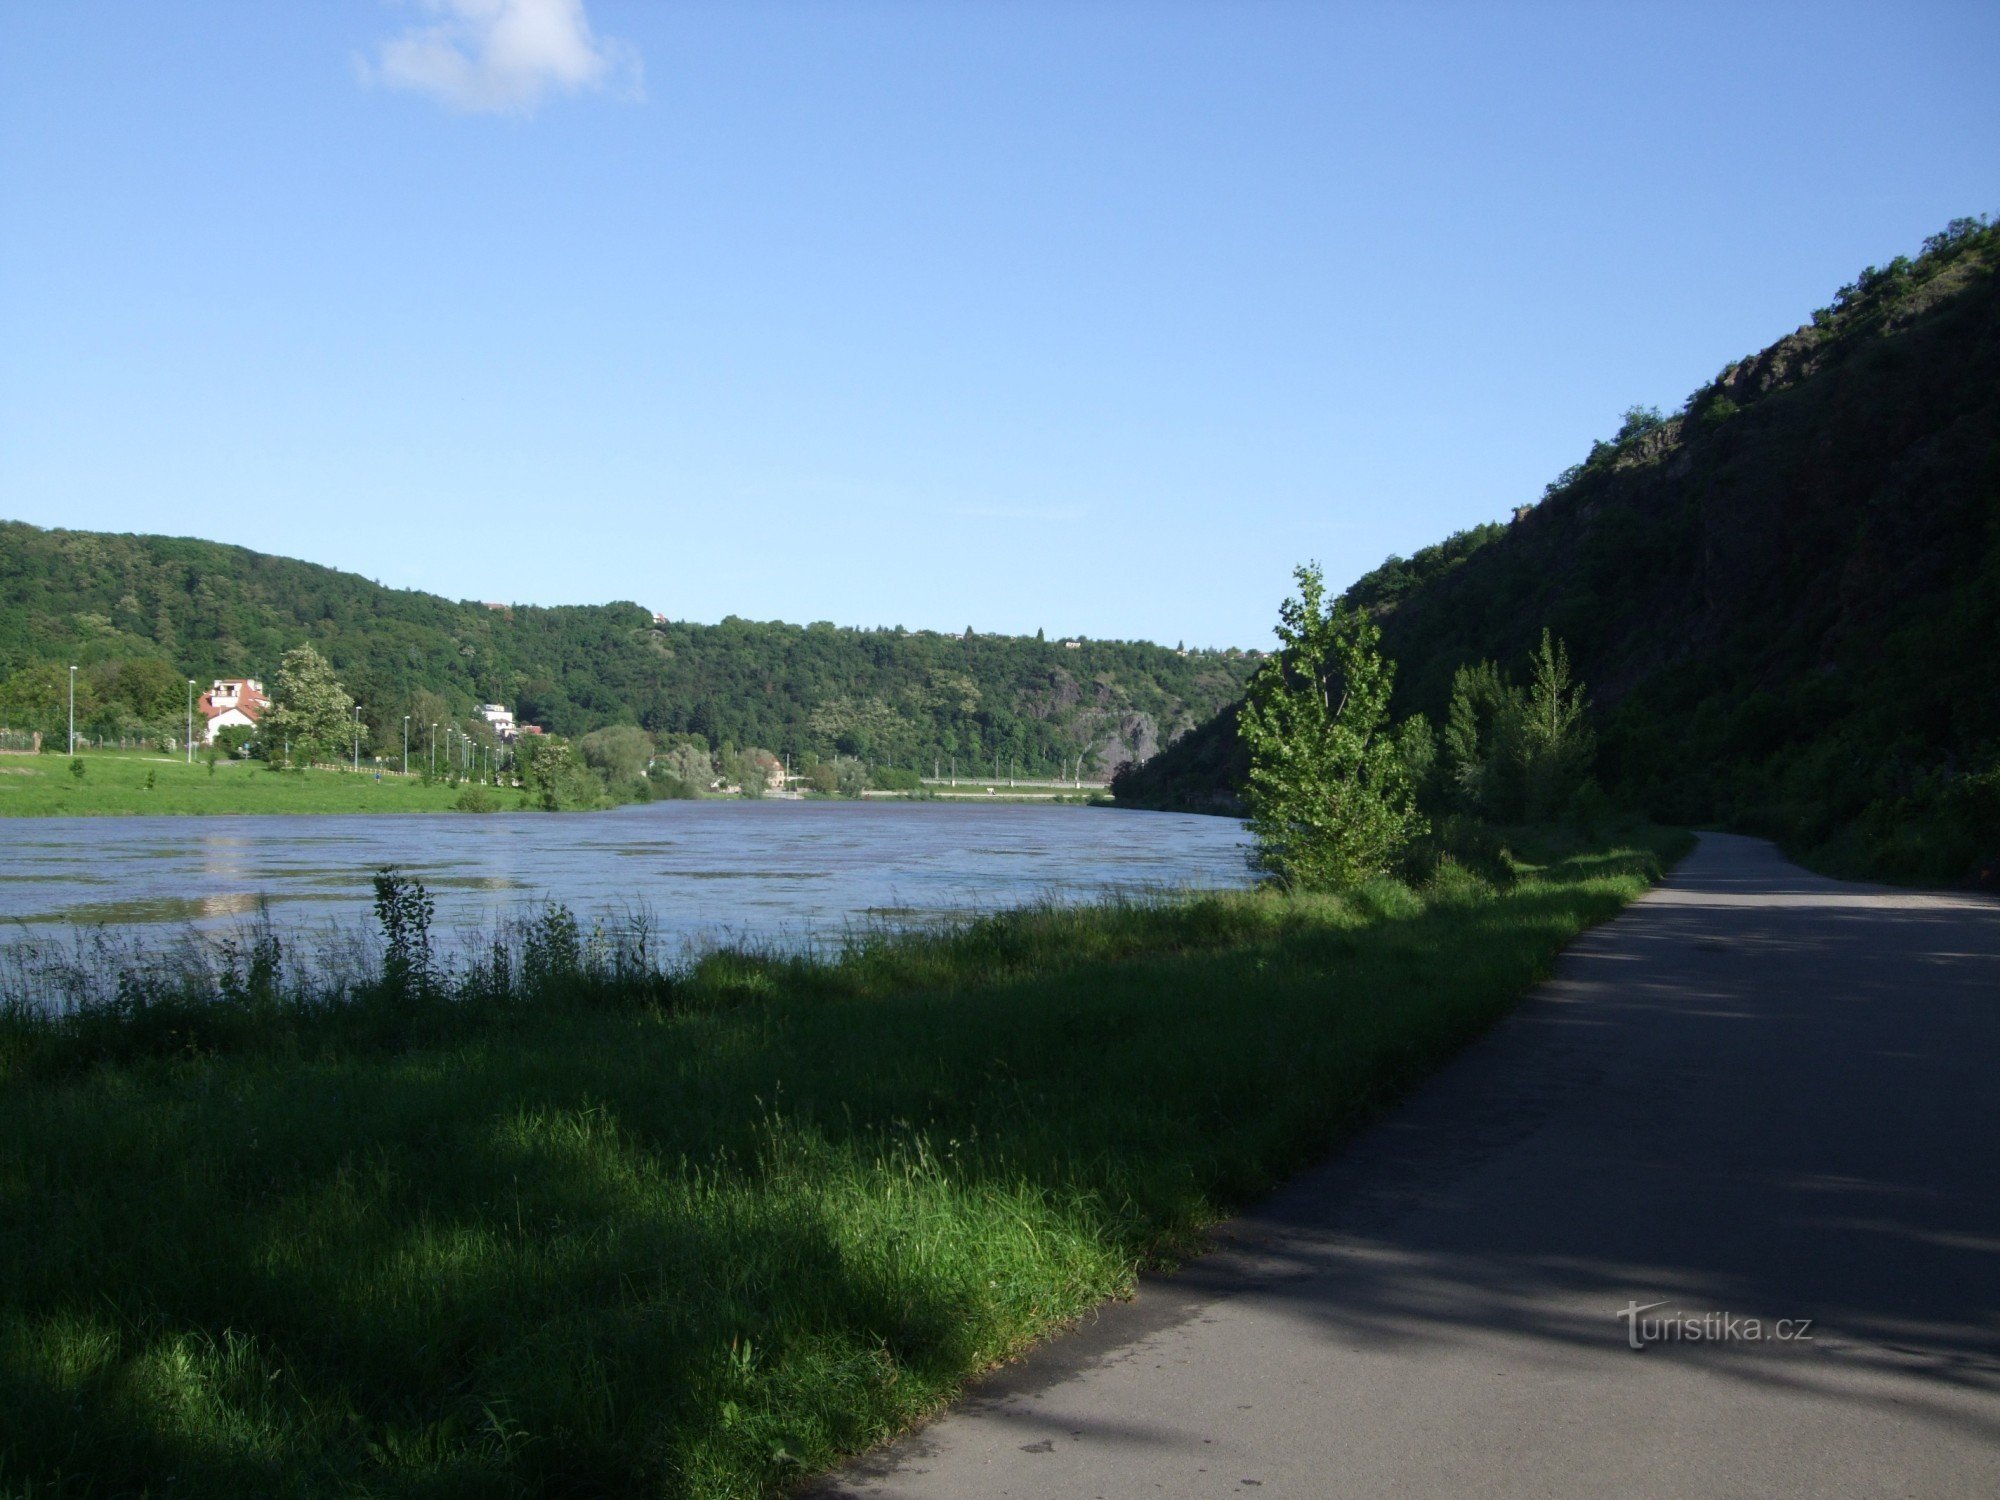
x=759 y=872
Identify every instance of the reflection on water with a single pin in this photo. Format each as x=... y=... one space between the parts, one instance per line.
x=162 y=909
x=758 y=871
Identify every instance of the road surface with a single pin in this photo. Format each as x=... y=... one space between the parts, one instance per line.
x=1757 y=1098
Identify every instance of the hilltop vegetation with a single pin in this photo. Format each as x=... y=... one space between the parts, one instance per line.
x=142 y=614
x=1784 y=597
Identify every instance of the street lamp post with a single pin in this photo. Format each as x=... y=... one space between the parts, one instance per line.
x=72 y=711
x=406 y=744
x=190 y=733
x=357 y=739
x=434 y=749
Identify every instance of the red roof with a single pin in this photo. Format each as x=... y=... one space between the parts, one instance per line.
x=248 y=702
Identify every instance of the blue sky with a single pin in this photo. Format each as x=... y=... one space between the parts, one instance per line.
x=1094 y=317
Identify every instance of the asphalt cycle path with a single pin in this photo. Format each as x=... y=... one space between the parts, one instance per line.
x=1715 y=1212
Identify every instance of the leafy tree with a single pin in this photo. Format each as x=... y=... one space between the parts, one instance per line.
x=37 y=698
x=1637 y=422
x=554 y=777
x=1419 y=748
x=755 y=771
x=1330 y=797
x=1553 y=742
x=687 y=762
x=310 y=710
x=850 y=776
x=618 y=754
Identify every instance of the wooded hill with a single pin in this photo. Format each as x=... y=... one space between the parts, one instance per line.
x=1785 y=598
x=141 y=614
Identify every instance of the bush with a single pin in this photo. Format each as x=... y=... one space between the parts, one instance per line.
x=238 y=741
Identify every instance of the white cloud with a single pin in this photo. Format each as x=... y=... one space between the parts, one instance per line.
x=503 y=56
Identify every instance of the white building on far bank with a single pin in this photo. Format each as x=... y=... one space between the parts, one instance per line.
x=231 y=703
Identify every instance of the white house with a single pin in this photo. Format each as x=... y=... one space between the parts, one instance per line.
x=501 y=718
x=231 y=703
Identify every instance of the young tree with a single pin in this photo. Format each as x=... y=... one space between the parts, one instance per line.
x=1329 y=793
x=1555 y=744
x=1479 y=729
x=310 y=710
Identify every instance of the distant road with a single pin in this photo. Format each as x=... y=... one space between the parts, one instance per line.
x=1756 y=1095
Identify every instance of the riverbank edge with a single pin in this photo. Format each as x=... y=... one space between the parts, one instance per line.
x=1065 y=1197
x=240 y=788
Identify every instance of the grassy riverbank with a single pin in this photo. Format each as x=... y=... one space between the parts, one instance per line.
x=116 y=782
x=576 y=1226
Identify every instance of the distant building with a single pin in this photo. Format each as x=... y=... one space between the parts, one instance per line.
x=658 y=618
x=231 y=703
x=1072 y=645
x=501 y=719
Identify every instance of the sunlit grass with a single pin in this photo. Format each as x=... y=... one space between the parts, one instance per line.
x=140 y=781
x=709 y=1233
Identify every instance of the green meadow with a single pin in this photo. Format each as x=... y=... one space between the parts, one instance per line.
x=568 y=1221
x=142 y=781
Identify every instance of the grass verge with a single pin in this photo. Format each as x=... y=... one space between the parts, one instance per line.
x=141 y=781
x=698 y=1233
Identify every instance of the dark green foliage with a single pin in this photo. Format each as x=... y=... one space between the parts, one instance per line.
x=1381 y=588
x=404 y=910
x=143 y=613
x=554 y=777
x=1478 y=725
x=1786 y=600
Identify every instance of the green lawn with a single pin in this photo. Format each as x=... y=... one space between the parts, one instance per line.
x=689 y=1234
x=115 y=782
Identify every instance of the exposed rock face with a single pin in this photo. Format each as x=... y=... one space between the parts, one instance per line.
x=1128 y=739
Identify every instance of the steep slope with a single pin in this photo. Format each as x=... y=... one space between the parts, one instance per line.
x=1785 y=599
x=142 y=613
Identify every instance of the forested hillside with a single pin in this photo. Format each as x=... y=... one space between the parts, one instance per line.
x=141 y=614
x=1785 y=598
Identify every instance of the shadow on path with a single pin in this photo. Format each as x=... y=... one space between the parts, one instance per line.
x=1756 y=1093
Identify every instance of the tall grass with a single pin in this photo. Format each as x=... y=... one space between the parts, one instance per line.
x=609 y=1227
